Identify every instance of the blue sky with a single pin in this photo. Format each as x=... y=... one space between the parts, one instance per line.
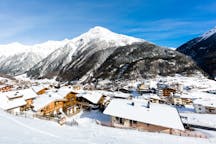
x=164 y=22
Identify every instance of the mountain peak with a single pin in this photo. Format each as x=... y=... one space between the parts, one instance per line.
x=98 y=29
x=208 y=33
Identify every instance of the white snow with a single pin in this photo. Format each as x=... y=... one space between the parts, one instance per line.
x=139 y=112
x=95 y=39
x=91 y=96
x=28 y=93
x=44 y=48
x=208 y=102
x=45 y=99
x=33 y=131
x=208 y=34
x=7 y=104
x=207 y=120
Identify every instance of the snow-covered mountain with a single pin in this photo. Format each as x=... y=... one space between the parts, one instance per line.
x=135 y=61
x=203 y=50
x=79 y=49
x=16 y=58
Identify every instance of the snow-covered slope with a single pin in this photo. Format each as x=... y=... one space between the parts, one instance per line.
x=97 y=38
x=208 y=34
x=16 y=58
x=34 y=131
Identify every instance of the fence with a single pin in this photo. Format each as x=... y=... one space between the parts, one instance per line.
x=33 y=115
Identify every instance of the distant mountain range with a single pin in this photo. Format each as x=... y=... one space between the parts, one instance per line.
x=203 y=51
x=96 y=54
x=16 y=58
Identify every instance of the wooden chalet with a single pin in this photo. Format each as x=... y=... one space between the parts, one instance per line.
x=168 y=91
x=178 y=99
x=40 y=89
x=6 y=88
x=49 y=104
x=90 y=100
x=70 y=106
x=28 y=95
x=52 y=103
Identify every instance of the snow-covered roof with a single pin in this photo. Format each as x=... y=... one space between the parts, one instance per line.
x=12 y=94
x=208 y=102
x=63 y=91
x=149 y=96
x=2 y=86
x=28 y=93
x=45 y=99
x=38 y=88
x=7 y=104
x=157 y=114
x=93 y=97
x=184 y=95
x=117 y=94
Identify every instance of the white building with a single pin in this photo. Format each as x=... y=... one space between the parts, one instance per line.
x=207 y=105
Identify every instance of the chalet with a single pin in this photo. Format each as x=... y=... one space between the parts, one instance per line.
x=6 y=88
x=90 y=100
x=168 y=92
x=49 y=104
x=119 y=95
x=77 y=87
x=143 y=87
x=144 y=115
x=70 y=106
x=181 y=99
x=40 y=89
x=53 y=102
x=11 y=102
x=207 y=105
x=152 y=98
x=28 y=95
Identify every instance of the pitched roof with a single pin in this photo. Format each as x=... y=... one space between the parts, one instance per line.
x=208 y=102
x=45 y=99
x=93 y=97
x=28 y=93
x=7 y=104
x=157 y=114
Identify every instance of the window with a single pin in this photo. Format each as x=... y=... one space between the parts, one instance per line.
x=120 y=120
x=131 y=122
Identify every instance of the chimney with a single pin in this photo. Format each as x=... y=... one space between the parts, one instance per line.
x=148 y=104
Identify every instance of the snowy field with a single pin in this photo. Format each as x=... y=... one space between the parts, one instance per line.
x=33 y=131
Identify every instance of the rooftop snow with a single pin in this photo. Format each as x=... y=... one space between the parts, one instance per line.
x=7 y=104
x=45 y=99
x=93 y=97
x=208 y=102
x=28 y=93
x=12 y=94
x=157 y=114
x=40 y=87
